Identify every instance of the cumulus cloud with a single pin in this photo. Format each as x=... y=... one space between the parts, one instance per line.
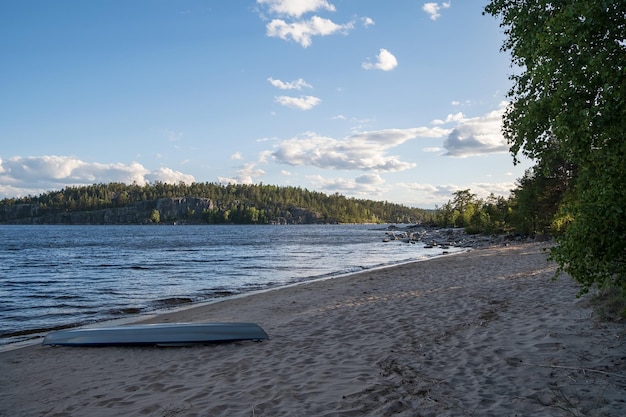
x=443 y=190
x=458 y=117
x=364 y=185
x=302 y=103
x=372 y=151
x=477 y=136
x=298 y=84
x=296 y=8
x=484 y=189
x=288 y=22
x=302 y=31
x=367 y=151
x=23 y=174
x=169 y=176
x=430 y=195
x=385 y=61
x=433 y=9
x=369 y=179
x=247 y=174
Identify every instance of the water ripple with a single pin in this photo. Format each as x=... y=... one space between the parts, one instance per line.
x=55 y=277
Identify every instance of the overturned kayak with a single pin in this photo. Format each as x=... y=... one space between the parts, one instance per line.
x=167 y=334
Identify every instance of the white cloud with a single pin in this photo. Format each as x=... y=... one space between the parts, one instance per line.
x=227 y=180
x=432 y=9
x=484 y=189
x=365 y=151
x=370 y=151
x=302 y=103
x=293 y=85
x=435 y=191
x=248 y=174
x=169 y=176
x=458 y=117
x=21 y=175
x=237 y=156
x=430 y=195
x=303 y=31
x=367 y=21
x=432 y=149
x=441 y=194
x=369 y=179
x=265 y=156
x=365 y=185
x=296 y=8
x=458 y=103
x=385 y=61
x=478 y=136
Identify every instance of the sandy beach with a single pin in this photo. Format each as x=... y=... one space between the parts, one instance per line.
x=483 y=333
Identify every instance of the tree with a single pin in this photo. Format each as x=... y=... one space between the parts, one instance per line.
x=242 y=203
x=568 y=103
x=538 y=197
x=155 y=216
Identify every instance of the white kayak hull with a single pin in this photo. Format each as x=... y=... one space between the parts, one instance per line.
x=166 y=334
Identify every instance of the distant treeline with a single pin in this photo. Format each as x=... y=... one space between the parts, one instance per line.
x=239 y=204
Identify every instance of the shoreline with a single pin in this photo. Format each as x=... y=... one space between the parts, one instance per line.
x=138 y=318
x=484 y=332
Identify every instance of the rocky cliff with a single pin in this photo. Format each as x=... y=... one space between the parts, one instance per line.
x=187 y=209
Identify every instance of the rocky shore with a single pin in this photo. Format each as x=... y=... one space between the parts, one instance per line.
x=443 y=238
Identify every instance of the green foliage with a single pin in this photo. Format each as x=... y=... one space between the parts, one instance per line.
x=241 y=204
x=570 y=91
x=568 y=103
x=538 y=198
x=474 y=214
x=593 y=246
x=155 y=216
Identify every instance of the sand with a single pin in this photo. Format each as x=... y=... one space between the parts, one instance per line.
x=484 y=333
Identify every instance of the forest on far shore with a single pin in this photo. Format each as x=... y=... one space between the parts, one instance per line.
x=529 y=210
x=233 y=203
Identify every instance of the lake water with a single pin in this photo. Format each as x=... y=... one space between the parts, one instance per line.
x=53 y=277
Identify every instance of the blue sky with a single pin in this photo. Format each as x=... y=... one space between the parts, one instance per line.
x=398 y=101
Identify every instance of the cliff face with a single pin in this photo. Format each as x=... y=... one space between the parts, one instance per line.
x=186 y=209
x=183 y=210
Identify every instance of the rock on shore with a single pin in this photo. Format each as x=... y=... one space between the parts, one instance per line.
x=432 y=237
